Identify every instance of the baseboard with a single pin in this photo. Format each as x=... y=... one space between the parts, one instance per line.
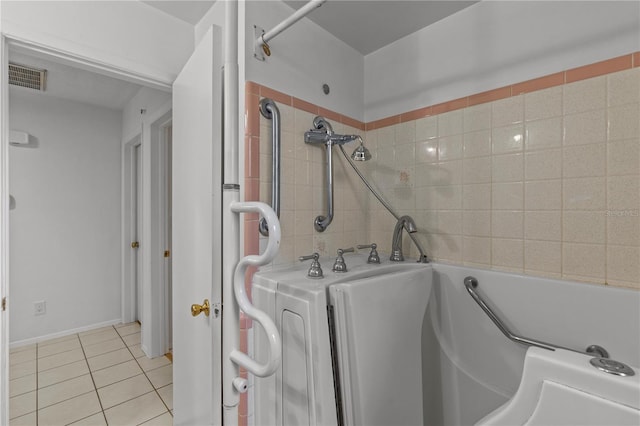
x=32 y=340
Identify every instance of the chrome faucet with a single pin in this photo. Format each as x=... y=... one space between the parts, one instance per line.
x=407 y=223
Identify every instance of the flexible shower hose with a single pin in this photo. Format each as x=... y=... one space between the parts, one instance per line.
x=423 y=257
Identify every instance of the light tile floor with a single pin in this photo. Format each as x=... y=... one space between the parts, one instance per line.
x=99 y=377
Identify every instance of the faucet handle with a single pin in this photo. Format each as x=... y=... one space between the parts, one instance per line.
x=315 y=271
x=340 y=265
x=373 y=255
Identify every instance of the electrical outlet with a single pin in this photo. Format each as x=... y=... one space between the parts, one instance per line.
x=39 y=308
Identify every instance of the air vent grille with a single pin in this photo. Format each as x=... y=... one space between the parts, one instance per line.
x=23 y=76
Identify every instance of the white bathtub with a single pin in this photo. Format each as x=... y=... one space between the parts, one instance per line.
x=469 y=369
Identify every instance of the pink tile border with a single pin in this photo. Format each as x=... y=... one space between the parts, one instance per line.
x=599 y=68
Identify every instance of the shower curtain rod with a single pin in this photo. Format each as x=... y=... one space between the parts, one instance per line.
x=262 y=39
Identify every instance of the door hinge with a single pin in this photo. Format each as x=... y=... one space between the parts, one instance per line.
x=167 y=253
x=4 y=303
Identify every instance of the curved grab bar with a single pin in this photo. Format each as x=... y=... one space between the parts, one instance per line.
x=269 y=109
x=471 y=283
x=269 y=327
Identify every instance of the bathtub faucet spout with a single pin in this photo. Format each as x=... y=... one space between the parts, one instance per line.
x=407 y=223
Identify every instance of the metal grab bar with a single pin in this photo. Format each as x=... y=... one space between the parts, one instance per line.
x=269 y=327
x=471 y=283
x=269 y=110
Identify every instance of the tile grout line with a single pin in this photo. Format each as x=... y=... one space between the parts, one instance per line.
x=147 y=377
x=95 y=388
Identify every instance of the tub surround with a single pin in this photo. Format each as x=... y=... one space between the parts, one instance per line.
x=540 y=177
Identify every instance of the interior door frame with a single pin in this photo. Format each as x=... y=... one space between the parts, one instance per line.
x=4 y=230
x=156 y=305
x=129 y=202
x=134 y=75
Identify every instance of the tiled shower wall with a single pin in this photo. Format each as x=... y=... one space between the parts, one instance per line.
x=545 y=182
x=303 y=177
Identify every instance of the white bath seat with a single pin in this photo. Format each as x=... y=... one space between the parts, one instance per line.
x=562 y=388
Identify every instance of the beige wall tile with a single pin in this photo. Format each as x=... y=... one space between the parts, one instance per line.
x=623 y=87
x=544 y=164
x=584 y=194
x=507 y=139
x=477 y=117
x=405 y=132
x=507 y=196
x=622 y=263
x=447 y=247
x=543 y=225
x=450 y=222
x=448 y=173
x=477 y=170
x=450 y=147
x=477 y=250
x=624 y=122
x=543 y=195
x=507 y=168
x=507 y=224
x=584 y=227
x=477 y=144
x=450 y=123
x=623 y=230
x=449 y=197
x=623 y=157
x=476 y=223
x=543 y=104
x=480 y=194
x=623 y=193
x=543 y=134
x=507 y=253
x=405 y=155
x=507 y=111
x=543 y=256
x=585 y=95
x=583 y=260
x=584 y=161
x=584 y=128
x=477 y=196
x=426 y=128
x=427 y=151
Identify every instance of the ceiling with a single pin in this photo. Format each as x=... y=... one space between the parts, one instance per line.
x=75 y=84
x=369 y=25
x=186 y=10
x=365 y=25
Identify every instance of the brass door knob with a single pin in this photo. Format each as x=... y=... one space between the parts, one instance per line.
x=135 y=244
x=197 y=309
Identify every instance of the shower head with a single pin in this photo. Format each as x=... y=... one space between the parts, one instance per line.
x=361 y=153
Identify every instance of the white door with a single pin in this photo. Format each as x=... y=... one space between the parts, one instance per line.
x=4 y=233
x=196 y=256
x=137 y=221
x=167 y=223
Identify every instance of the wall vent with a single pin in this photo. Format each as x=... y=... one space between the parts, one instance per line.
x=23 y=76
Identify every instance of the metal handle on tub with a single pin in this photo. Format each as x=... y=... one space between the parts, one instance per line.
x=471 y=283
x=269 y=327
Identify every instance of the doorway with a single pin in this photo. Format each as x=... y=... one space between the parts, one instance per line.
x=137 y=231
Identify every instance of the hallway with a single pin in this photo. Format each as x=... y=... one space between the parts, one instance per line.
x=97 y=377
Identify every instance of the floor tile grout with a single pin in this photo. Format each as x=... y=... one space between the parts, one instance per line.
x=95 y=388
x=83 y=347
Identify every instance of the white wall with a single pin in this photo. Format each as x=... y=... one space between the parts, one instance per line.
x=147 y=99
x=129 y=34
x=494 y=44
x=303 y=58
x=65 y=239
